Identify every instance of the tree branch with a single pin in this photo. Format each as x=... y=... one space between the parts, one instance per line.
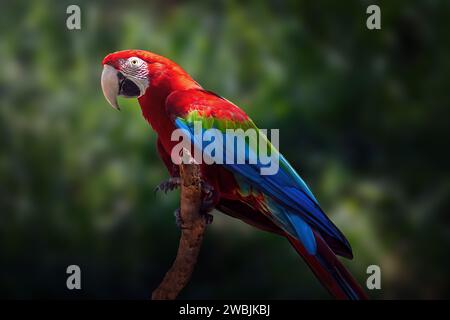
x=192 y=228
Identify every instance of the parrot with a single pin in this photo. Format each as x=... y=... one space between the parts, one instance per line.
x=280 y=203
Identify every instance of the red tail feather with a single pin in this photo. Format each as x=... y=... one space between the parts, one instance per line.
x=330 y=271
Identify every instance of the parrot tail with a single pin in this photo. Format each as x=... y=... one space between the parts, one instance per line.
x=329 y=270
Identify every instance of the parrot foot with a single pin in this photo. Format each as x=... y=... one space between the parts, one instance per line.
x=174 y=182
x=207 y=204
x=178 y=220
x=168 y=185
x=208 y=217
x=208 y=197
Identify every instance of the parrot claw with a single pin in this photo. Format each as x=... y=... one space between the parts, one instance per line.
x=178 y=220
x=208 y=199
x=168 y=185
x=207 y=202
x=208 y=217
x=207 y=189
x=206 y=205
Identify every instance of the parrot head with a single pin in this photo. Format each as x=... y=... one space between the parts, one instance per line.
x=129 y=73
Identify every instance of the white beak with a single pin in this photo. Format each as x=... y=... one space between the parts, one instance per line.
x=110 y=85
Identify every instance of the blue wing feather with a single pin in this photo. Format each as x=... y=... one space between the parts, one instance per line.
x=297 y=208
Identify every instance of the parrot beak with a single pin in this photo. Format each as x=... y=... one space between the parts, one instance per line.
x=115 y=83
x=110 y=85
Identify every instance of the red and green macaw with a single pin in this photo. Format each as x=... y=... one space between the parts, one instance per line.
x=280 y=203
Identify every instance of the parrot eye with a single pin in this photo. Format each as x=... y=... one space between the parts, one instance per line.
x=135 y=62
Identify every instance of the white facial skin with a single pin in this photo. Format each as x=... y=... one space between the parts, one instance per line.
x=133 y=69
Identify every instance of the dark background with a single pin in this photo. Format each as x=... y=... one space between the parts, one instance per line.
x=364 y=115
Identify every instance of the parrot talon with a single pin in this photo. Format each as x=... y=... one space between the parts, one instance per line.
x=207 y=188
x=208 y=199
x=206 y=205
x=168 y=185
x=207 y=202
x=178 y=220
x=208 y=217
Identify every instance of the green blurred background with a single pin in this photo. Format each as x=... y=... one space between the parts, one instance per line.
x=364 y=114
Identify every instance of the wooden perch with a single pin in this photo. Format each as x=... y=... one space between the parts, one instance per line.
x=192 y=228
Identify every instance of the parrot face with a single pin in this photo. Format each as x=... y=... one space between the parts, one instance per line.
x=125 y=76
x=130 y=73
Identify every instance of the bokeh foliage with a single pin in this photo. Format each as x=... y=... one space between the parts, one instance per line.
x=364 y=114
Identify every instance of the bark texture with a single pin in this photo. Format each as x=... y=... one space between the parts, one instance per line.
x=192 y=229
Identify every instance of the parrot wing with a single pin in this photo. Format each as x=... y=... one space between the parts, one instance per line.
x=297 y=211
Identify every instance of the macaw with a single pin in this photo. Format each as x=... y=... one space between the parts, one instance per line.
x=280 y=203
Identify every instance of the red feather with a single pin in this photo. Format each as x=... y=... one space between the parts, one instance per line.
x=165 y=98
